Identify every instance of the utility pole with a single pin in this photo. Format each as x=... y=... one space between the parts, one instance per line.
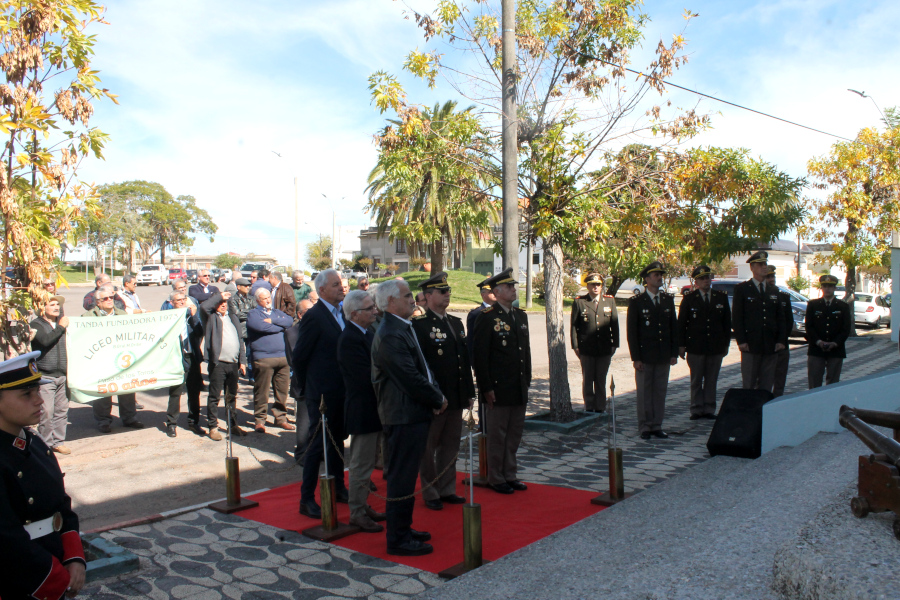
x=296 y=226
x=509 y=124
x=333 y=240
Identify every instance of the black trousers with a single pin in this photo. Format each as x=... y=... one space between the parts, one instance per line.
x=406 y=446
x=223 y=376
x=315 y=454
x=193 y=383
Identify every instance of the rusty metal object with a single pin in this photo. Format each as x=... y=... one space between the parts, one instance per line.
x=878 y=486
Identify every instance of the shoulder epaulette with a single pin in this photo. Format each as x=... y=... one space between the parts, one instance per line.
x=607 y=296
x=417 y=317
x=488 y=309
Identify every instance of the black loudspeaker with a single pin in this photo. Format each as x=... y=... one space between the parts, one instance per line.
x=738 y=428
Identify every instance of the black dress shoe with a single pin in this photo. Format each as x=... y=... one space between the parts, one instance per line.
x=502 y=488
x=434 y=504
x=420 y=536
x=645 y=435
x=139 y=407
x=134 y=425
x=517 y=486
x=695 y=417
x=342 y=496
x=453 y=499
x=709 y=416
x=661 y=434
x=170 y=431
x=372 y=486
x=311 y=510
x=411 y=548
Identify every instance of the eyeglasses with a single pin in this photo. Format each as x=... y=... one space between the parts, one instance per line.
x=204 y=276
x=369 y=308
x=104 y=298
x=177 y=300
x=443 y=290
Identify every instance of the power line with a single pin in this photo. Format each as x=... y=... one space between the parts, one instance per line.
x=680 y=87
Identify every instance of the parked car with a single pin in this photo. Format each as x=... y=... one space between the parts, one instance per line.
x=686 y=289
x=871 y=310
x=192 y=275
x=798 y=302
x=250 y=267
x=177 y=273
x=227 y=275
x=157 y=274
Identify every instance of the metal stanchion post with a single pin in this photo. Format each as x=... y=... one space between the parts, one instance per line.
x=616 y=491
x=330 y=529
x=233 y=501
x=472 y=556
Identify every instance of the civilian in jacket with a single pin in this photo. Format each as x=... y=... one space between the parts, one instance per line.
x=265 y=331
x=653 y=343
x=191 y=358
x=240 y=304
x=828 y=322
x=301 y=290
x=50 y=341
x=224 y=348
x=595 y=337
x=759 y=325
x=315 y=362
x=503 y=369
x=261 y=281
x=354 y=354
x=203 y=289
x=103 y=406
x=407 y=401
x=443 y=342
x=282 y=295
x=704 y=334
x=90 y=299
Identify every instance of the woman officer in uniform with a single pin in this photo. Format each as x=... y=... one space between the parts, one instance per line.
x=40 y=549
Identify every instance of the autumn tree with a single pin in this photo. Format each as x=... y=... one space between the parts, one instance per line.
x=318 y=253
x=47 y=97
x=862 y=208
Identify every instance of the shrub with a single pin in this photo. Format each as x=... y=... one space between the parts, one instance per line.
x=570 y=288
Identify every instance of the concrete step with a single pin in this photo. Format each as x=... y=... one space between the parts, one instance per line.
x=710 y=533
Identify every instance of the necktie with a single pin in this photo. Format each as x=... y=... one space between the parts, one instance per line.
x=706 y=298
x=762 y=291
x=656 y=300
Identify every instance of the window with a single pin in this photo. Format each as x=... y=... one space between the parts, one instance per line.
x=400 y=246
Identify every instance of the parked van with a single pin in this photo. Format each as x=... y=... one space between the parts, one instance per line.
x=157 y=274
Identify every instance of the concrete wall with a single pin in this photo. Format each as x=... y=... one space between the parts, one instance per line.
x=791 y=420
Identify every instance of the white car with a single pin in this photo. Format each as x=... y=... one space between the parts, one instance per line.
x=157 y=274
x=872 y=310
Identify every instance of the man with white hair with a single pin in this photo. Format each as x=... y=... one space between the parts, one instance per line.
x=317 y=372
x=408 y=399
x=301 y=290
x=203 y=289
x=265 y=333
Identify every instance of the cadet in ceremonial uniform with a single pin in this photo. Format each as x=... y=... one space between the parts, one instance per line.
x=595 y=337
x=828 y=322
x=704 y=334
x=40 y=548
x=653 y=343
x=487 y=300
x=782 y=357
x=503 y=369
x=758 y=324
x=443 y=342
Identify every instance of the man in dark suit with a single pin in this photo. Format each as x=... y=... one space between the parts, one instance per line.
x=354 y=354
x=203 y=289
x=503 y=368
x=443 y=341
x=759 y=325
x=782 y=357
x=595 y=337
x=828 y=322
x=407 y=400
x=224 y=347
x=653 y=343
x=178 y=299
x=704 y=334
x=315 y=362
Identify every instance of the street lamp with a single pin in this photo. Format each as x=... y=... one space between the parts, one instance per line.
x=296 y=219
x=864 y=95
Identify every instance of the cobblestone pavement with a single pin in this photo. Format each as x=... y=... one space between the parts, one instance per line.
x=205 y=555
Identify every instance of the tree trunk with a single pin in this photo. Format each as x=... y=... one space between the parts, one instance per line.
x=850 y=281
x=162 y=250
x=437 y=255
x=560 y=396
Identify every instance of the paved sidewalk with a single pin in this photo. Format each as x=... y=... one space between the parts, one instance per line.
x=205 y=555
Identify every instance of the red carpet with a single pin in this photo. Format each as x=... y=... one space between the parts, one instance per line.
x=508 y=522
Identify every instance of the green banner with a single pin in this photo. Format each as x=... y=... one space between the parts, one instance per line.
x=124 y=354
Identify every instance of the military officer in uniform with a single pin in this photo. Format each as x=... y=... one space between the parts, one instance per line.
x=759 y=325
x=828 y=322
x=443 y=341
x=40 y=548
x=653 y=343
x=487 y=300
x=503 y=370
x=595 y=337
x=783 y=357
x=704 y=334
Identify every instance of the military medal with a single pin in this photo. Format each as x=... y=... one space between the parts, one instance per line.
x=504 y=342
x=440 y=352
x=20 y=443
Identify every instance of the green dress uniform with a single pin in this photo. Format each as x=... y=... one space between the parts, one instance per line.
x=783 y=356
x=595 y=334
x=443 y=342
x=758 y=321
x=704 y=331
x=826 y=322
x=652 y=340
x=503 y=366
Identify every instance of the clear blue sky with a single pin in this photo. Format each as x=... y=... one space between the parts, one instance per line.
x=209 y=89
